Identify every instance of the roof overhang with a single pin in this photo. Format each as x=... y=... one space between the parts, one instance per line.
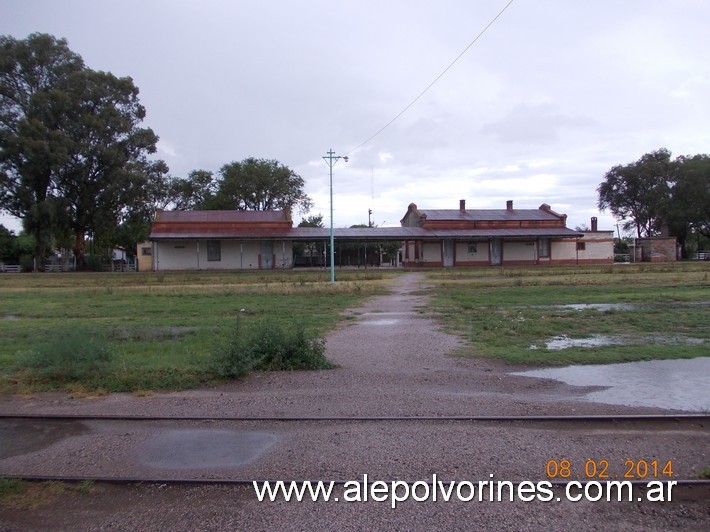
x=362 y=234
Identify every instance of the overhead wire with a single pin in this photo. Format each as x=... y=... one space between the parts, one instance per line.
x=422 y=93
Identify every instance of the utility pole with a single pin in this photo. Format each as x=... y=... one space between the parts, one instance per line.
x=330 y=158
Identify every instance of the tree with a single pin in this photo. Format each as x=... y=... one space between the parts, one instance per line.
x=313 y=249
x=136 y=218
x=258 y=185
x=33 y=76
x=192 y=193
x=7 y=245
x=107 y=171
x=638 y=193
x=688 y=211
x=72 y=155
x=312 y=221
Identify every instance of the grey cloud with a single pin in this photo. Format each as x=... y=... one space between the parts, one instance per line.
x=535 y=124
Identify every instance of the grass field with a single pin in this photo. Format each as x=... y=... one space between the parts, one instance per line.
x=89 y=333
x=133 y=332
x=634 y=312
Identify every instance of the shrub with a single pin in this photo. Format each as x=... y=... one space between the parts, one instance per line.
x=269 y=346
x=71 y=356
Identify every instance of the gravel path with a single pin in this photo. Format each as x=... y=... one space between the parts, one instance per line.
x=393 y=360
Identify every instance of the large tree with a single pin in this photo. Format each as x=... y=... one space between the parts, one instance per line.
x=688 y=211
x=73 y=156
x=107 y=172
x=258 y=185
x=638 y=192
x=34 y=74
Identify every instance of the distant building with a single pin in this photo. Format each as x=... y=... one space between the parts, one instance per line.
x=501 y=237
x=235 y=240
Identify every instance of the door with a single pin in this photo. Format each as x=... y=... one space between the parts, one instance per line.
x=496 y=252
x=267 y=254
x=448 y=252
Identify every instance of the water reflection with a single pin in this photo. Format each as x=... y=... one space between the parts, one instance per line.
x=673 y=384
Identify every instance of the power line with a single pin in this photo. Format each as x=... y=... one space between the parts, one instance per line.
x=435 y=80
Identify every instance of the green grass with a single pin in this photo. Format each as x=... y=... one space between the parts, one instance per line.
x=92 y=333
x=501 y=313
x=24 y=495
x=101 y=333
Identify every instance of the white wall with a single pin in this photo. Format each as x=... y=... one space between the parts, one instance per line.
x=514 y=251
x=598 y=246
x=431 y=251
x=234 y=255
x=463 y=254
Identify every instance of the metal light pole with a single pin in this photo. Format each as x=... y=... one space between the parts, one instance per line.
x=330 y=160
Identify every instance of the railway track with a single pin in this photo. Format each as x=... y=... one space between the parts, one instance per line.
x=473 y=418
x=692 y=489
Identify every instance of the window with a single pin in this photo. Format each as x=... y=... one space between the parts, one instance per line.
x=544 y=247
x=214 y=250
x=472 y=248
x=581 y=246
x=146 y=251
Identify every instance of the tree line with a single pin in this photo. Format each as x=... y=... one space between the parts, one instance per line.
x=658 y=192
x=76 y=164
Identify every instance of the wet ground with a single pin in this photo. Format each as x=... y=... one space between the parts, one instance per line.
x=676 y=384
x=392 y=361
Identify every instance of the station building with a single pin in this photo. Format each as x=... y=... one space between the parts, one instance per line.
x=246 y=240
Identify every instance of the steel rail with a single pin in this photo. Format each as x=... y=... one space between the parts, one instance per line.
x=472 y=418
x=249 y=482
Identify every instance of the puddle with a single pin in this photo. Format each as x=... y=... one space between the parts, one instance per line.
x=675 y=384
x=380 y=322
x=205 y=448
x=600 y=307
x=610 y=307
x=21 y=436
x=598 y=340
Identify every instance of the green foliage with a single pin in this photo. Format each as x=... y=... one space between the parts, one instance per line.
x=72 y=156
x=10 y=487
x=656 y=191
x=269 y=346
x=688 y=212
x=637 y=192
x=70 y=356
x=160 y=328
x=259 y=185
x=312 y=221
x=193 y=192
x=12 y=247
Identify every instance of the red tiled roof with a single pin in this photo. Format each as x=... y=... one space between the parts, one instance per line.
x=473 y=215
x=222 y=216
x=361 y=233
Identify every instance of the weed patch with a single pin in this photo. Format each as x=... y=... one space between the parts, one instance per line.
x=269 y=346
x=69 y=356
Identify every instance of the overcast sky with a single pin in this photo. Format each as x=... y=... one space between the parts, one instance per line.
x=552 y=95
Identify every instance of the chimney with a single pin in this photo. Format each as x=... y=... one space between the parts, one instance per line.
x=509 y=205
x=462 y=205
x=594 y=223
